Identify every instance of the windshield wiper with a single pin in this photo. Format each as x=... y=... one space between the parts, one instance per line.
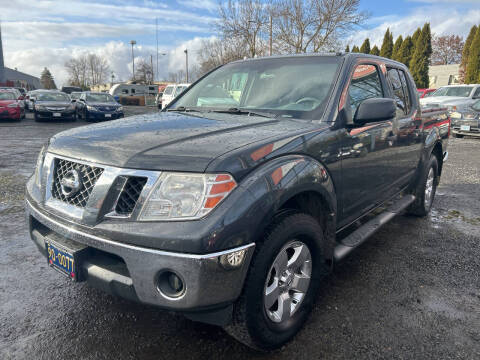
x=184 y=109
x=239 y=111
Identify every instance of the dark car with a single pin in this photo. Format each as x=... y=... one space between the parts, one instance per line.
x=50 y=105
x=70 y=89
x=75 y=96
x=98 y=106
x=232 y=212
x=11 y=106
x=466 y=121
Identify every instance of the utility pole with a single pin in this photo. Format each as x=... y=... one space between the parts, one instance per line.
x=151 y=65
x=133 y=42
x=186 y=64
x=156 y=36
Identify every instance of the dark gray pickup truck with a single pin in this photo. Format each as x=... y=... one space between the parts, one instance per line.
x=232 y=203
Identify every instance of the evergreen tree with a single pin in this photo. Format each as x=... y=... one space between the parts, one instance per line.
x=46 y=79
x=406 y=51
x=375 y=51
x=355 y=49
x=415 y=35
x=365 y=48
x=347 y=49
x=387 y=45
x=472 y=75
x=421 y=57
x=396 y=48
x=466 y=52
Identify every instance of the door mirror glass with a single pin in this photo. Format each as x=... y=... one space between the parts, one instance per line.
x=374 y=109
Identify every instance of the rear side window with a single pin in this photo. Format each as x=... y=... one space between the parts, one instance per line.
x=477 y=93
x=365 y=84
x=398 y=84
x=168 y=90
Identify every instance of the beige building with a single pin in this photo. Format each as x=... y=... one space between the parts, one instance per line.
x=441 y=75
x=101 y=87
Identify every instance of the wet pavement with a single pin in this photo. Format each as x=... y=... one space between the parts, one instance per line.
x=411 y=292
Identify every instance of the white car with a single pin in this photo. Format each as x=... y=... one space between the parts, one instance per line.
x=171 y=92
x=453 y=97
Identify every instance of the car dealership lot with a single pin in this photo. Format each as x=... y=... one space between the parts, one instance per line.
x=412 y=291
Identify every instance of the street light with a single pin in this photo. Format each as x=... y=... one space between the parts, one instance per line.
x=133 y=42
x=186 y=64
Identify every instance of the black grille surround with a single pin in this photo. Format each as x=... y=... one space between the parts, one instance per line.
x=89 y=176
x=129 y=196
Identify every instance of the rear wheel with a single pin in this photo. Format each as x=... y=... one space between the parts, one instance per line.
x=426 y=189
x=280 y=288
x=458 y=135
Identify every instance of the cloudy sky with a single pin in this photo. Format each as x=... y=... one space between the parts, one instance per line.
x=47 y=33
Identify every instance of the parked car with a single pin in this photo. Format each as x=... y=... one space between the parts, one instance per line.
x=467 y=121
x=425 y=92
x=70 y=89
x=171 y=92
x=30 y=99
x=75 y=96
x=96 y=106
x=22 y=91
x=454 y=97
x=10 y=106
x=233 y=215
x=52 y=104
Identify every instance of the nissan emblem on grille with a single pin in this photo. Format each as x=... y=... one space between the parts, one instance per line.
x=71 y=183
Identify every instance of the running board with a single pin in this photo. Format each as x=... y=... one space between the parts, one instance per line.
x=360 y=235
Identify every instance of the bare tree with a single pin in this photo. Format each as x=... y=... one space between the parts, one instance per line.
x=98 y=69
x=314 y=25
x=77 y=70
x=244 y=22
x=144 y=71
x=86 y=70
x=214 y=53
x=447 y=49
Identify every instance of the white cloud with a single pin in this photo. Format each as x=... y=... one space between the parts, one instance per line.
x=443 y=20
x=209 y=5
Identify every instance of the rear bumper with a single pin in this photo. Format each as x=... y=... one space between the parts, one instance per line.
x=133 y=272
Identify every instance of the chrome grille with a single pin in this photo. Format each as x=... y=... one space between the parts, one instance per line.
x=130 y=194
x=89 y=176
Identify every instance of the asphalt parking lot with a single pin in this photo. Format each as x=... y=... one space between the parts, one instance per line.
x=411 y=292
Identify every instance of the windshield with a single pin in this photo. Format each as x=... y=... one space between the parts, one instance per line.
x=290 y=87
x=7 y=96
x=52 y=97
x=100 y=98
x=460 y=91
x=168 y=90
x=179 y=90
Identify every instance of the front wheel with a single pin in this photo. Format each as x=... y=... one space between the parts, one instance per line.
x=458 y=136
x=426 y=189
x=280 y=288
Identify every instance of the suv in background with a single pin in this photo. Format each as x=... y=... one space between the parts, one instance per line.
x=453 y=97
x=232 y=214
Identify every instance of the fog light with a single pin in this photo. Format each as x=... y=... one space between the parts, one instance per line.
x=170 y=284
x=233 y=260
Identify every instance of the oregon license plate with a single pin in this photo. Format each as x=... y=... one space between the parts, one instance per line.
x=465 y=127
x=57 y=114
x=108 y=115
x=62 y=260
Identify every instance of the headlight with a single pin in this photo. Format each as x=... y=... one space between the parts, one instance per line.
x=181 y=196
x=455 y=115
x=91 y=108
x=120 y=108
x=39 y=166
x=39 y=107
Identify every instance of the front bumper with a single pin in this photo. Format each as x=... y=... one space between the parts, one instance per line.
x=132 y=271
x=10 y=113
x=95 y=115
x=472 y=132
x=45 y=114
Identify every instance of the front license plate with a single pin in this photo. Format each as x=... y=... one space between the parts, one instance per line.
x=108 y=115
x=62 y=260
x=465 y=127
x=57 y=114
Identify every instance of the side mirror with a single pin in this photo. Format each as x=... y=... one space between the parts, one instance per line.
x=375 y=109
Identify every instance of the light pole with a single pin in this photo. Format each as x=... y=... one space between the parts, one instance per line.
x=186 y=64
x=113 y=77
x=133 y=42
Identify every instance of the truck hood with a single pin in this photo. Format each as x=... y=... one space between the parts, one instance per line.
x=168 y=141
x=444 y=100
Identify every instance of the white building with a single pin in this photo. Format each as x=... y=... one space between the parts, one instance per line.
x=441 y=75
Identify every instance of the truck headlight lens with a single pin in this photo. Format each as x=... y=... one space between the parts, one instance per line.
x=182 y=196
x=39 y=166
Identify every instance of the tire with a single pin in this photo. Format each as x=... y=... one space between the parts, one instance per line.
x=426 y=189
x=458 y=136
x=253 y=323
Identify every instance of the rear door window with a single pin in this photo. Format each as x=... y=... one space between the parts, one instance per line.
x=406 y=91
x=393 y=79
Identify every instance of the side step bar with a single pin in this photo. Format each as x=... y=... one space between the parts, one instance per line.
x=360 y=235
